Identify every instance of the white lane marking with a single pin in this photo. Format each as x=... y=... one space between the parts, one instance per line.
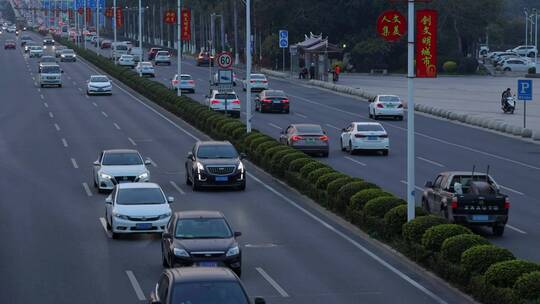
x=426 y=136
x=87 y=189
x=35 y=83
x=274 y=126
x=135 y=285
x=177 y=188
x=74 y=83
x=39 y=90
x=430 y=162
x=104 y=114
x=272 y=282
x=152 y=162
x=353 y=242
x=132 y=141
x=333 y=127
x=516 y=229
x=64 y=142
x=57 y=127
x=79 y=89
x=416 y=187
x=33 y=78
x=87 y=97
x=69 y=77
x=511 y=190
x=301 y=115
x=95 y=104
x=103 y=222
x=355 y=161
x=51 y=115
x=46 y=105
x=74 y=163
x=116 y=126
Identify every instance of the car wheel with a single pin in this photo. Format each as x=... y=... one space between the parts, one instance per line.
x=59 y=85
x=425 y=206
x=194 y=185
x=238 y=272
x=115 y=235
x=498 y=230
x=385 y=152
x=41 y=85
x=507 y=69
x=341 y=144
x=108 y=225
x=242 y=187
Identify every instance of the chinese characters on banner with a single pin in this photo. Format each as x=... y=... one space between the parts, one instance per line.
x=426 y=43
x=391 y=25
x=109 y=12
x=119 y=17
x=186 y=25
x=170 y=17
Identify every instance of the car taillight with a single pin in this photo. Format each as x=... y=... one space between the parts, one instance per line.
x=285 y=101
x=237 y=101
x=454 y=203
x=175 y=81
x=252 y=81
x=380 y=105
x=296 y=138
x=507 y=203
x=191 y=81
x=267 y=101
x=359 y=135
x=265 y=81
x=214 y=101
x=383 y=136
x=324 y=138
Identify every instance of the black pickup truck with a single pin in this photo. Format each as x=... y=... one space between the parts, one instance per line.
x=467 y=198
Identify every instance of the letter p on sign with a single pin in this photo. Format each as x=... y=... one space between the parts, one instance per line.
x=524 y=89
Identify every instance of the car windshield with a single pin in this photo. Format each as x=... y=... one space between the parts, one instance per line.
x=217 y=151
x=363 y=128
x=126 y=57
x=209 y=293
x=50 y=69
x=122 y=159
x=389 y=98
x=258 y=76
x=202 y=228
x=67 y=51
x=162 y=53
x=226 y=96
x=99 y=79
x=48 y=59
x=146 y=65
x=140 y=196
x=311 y=129
x=271 y=94
x=186 y=77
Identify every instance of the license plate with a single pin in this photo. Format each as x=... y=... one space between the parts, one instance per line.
x=143 y=226
x=310 y=141
x=390 y=105
x=222 y=178
x=480 y=218
x=373 y=137
x=276 y=101
x=207 y=264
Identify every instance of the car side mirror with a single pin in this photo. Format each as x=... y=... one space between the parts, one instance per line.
x=344 y=129
x=96 y=163
x=429 y=184
x=147 y=162
x=170 y=199
x=166 y=235
x=190 y=156
x=62 y=71
x=243 y=155
x=259 y=300
x=237 y=234
x=108 y=200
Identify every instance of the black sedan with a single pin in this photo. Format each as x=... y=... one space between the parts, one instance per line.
x=215 y=164
x=308 y=138
x=202 y=239
x=272 y=101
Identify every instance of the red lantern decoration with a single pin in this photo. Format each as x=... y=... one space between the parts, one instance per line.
x=426 y=43
x=170 y=17
x=391 y=25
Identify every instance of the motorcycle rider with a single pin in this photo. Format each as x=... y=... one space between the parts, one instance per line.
x=507 y=93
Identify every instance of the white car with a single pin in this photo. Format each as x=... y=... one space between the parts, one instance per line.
x=235 y=79
x=35 y=51
x=185 y=83
x=525 y=50
x=365 y=136
x=516 y=65
x=128 y=44
x=136 y=52
x=119 y=166
x=258 y=83
x=118 y=50
x=99 y=85
x=224 y=102
x=386 y=106
x=137 y=208
x=145 y=68
x=162 y=57
x=127 y=61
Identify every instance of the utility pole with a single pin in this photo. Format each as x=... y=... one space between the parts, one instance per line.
x=236 y=55
x=179 y=49
x=535 y=11
x=140 y=34
x=212 y=32
x=114 y=26
x=526 y=27
x=248 y=66
x=97 y=21
x=411 y=174
x=222 y=25
x=85 y=25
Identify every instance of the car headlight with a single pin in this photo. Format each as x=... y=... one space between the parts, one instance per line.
x=143 y=176
x=62 y=55
x=240 y=167
x=164 y=216
x=200 y=167
x=120 y=216
x=105 y=176
x=233 y=251
x=181 y=252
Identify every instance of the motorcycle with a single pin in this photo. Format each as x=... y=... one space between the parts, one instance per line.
x=509 y=105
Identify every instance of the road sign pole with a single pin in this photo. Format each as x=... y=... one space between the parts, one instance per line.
x=115 y=26
x=179 y=50
x=283 y=60
x=248 y=66
x=411 y=176
x=524 y=114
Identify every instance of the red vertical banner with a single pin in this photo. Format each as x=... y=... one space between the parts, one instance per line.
x=80 y=11
x=426 y=43
x=88 y=15
x=119 y=17
x=70 y=14
x=186 y=25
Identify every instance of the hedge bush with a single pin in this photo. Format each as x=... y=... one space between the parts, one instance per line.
x=314 y=176
x=310 y=167
x=505 y=274
x=333 y=188
x=477 y=259
x=379 y=206
x=414 y=230
x=288 y=158
x=275 y=163
x=347 y=191
x=527 y=286
x=453 y=247
x=324 y=180
x=269 y=154
x=434 y=237
x=450 y=67
x=255 y=144
x=298 y=164
x=259 y=151
x=359 y=199
x=397 y=217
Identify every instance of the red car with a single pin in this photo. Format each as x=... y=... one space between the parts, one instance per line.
x=9 y=44
x=205 y=58
x=152 y=53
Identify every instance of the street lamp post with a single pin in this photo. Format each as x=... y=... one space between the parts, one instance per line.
x=248 y=66
x=179 y=50
x=85 y=25
x=535 y=11
x=526 y=27
x=411 y=174
x=114 y=26
x=140 y=33
x=97 y=22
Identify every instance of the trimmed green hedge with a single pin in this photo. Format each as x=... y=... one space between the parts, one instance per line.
x=346 y=192
x=298 y=164
x=323 y=181
x=314 y=176
x=396 y=218
x=310 y=167
x=527 y=286
x=476 y=260
x=434 y=237
x=505 y=274
x=453 y=247
x=379 y=206
x=414 y=230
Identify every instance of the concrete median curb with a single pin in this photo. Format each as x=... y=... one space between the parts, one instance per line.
x=536 y=135
x=527 y=133
x=275 y=73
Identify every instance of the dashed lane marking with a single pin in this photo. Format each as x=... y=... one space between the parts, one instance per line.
x=46 y=105
x=416 y=187
x=274 y=126
x=333 y=127
x=74 y=163
x=301 y=115
x=87 y=189
x=511 y=190
x=516 y=229
x=272 y=282
x=132 y=141
x=64 y=142
x=104 y=114
x=153 y=163
x=116 y=126
x=57 y=127
x=51 y=115
x=430 y=162
x=355 y=161
x=135 y=285
x=95 y=104
x=103 y=222
x=177 y=188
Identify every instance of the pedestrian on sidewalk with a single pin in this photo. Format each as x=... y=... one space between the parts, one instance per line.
x=312 y=71
x=337 y=71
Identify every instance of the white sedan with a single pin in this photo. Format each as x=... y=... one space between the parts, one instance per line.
x=119 y=166
x=145 y=68
x=365 y=136
x=127 y=61
x=185 y=83
x=259 y=82
x=99 y=85
x=386 y=106
x=137 y=208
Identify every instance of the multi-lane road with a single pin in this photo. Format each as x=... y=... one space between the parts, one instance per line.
x=56 y=249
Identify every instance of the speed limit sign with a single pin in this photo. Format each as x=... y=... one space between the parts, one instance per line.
x=225 y=60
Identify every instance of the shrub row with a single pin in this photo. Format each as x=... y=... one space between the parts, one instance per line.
x=489 y=273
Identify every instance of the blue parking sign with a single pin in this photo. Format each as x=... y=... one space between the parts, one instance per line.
x=283 y=39
x=524 y=89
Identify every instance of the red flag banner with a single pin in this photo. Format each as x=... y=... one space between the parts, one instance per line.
x=426 y=43
x=169 y=17
x=391 y=25
x=109 y=12
x=88 y=15
x=119 y=17
x=186 y=25
x=70 y=14
x=80 y=11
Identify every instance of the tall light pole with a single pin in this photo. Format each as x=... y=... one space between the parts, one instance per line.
x=114 y=26
x=97 y=21
x=526 y=27
x=411 y=174
x=236 y=56
x=179 y=49
x=85 y=26
x=535 y=11
x=248 y=66
x=140 y=34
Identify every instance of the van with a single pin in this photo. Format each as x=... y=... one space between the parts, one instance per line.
x=119 y=50
x=50 y=74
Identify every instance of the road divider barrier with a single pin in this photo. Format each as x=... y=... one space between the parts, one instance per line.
x=428 y=240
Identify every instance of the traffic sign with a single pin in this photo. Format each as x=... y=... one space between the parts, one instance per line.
x=524 y=89
x=283 y=39
x=225 y=60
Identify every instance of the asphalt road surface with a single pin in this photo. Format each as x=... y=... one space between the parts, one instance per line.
x=55 y=248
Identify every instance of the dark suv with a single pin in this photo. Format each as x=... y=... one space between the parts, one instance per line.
x=199 y=285
x=215 y=164
x=202 y=239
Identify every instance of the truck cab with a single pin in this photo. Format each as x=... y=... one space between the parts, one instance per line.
x=471 y=199
x=50 y=74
